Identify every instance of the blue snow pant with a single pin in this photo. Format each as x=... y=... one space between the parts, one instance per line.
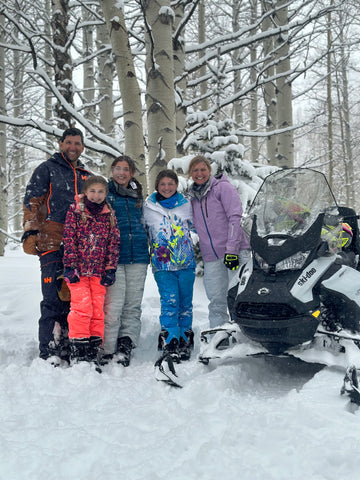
x=176 y=293
x=53 y=320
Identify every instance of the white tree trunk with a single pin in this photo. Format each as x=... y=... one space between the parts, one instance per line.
x=48 y=97
x=179 y=68
x=253 y=97
x=285 y=141
x=329 y=104
x=15 y=206
x=204 y=105
x=88 y=91
x=62 y=58
x=238 y=107
x=105 y=73
x=3 y=196
x=88 y=68
x=129 y=88
x=349 y=163
x=160 y=98
x=269 y=89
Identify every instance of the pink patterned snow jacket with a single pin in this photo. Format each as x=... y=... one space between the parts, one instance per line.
x=90 y=246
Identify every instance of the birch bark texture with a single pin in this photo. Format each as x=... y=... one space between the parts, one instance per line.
x=129 y=87
x=3 y=195
x=284 y=156
x=160 y=96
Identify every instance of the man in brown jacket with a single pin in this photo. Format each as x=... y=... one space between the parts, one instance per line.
x=49 y=193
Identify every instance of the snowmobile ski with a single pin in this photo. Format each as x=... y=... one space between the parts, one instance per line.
x=340 y=334
x=165 y=371
x=222 y=339
x=351 y=385
x=226 y=343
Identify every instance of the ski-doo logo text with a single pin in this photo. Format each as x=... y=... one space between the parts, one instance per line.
x=302 y=280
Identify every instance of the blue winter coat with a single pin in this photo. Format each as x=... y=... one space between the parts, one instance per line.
x=133 y=237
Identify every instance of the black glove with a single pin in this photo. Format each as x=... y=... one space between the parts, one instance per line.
x=231 y=261
x=71 y=275
x=108 y=278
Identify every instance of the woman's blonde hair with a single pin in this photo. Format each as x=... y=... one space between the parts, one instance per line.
x=199 y=159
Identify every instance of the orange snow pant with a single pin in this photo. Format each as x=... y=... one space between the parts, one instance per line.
x=86 y=317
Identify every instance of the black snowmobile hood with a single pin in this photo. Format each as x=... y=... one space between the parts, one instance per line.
x=273 y=254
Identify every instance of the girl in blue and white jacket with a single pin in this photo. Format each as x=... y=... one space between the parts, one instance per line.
x=168 y=217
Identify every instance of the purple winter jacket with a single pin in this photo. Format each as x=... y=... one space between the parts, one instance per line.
x=217 y=217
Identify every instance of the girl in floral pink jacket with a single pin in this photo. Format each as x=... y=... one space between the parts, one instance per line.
x=91 y=251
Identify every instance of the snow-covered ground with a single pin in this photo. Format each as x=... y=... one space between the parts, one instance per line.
x=254 y=419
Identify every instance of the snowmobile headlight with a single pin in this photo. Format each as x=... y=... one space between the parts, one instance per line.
x=294 y=262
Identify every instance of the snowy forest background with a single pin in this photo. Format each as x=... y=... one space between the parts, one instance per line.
x=252 y=84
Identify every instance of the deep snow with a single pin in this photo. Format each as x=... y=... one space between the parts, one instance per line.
x=252 y=419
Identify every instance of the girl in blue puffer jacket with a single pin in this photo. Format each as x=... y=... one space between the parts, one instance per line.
x=123 y=299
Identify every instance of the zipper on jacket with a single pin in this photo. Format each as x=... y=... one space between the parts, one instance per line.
x=202 y=213
x=75 y=173
x=130 y=231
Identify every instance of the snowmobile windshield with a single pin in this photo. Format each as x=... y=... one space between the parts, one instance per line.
x=289 y=201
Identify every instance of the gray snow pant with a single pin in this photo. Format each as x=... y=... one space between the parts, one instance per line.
x=122 y=305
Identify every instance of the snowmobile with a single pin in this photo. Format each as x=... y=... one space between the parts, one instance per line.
x=301 y=288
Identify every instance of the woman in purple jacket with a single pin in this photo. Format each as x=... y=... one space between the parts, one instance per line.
x=217 y=214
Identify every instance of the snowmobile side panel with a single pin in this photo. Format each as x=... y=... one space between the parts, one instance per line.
x=304 y=284
x=346 y=282
x=244 y=276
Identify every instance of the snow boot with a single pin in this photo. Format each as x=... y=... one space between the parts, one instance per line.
x=79 y=348
x=123 y=350
x=93 y=349
x=171 y=348
x=106 y=358
x=185 y=346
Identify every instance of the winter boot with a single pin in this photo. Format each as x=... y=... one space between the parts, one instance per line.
x=123 y=350
x=79 y=348
x=94 y=348
x=106 y=358
x=171 y=348
x=185 y=346
x=50 y=356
